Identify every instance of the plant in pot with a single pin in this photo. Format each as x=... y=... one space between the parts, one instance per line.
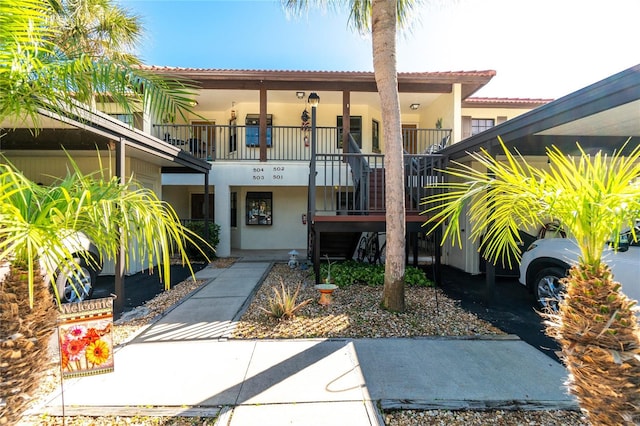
x=327 y=287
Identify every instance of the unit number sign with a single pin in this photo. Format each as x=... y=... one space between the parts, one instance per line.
x=268 y=174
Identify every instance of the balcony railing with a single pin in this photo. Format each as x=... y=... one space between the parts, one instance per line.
x=284 y=143
x=346 y=190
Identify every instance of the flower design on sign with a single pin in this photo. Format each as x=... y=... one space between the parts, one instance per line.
x=85 y=348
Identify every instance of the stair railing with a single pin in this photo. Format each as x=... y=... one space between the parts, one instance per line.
x=360 y=171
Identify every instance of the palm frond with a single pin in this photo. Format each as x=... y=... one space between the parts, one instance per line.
x=594 y=196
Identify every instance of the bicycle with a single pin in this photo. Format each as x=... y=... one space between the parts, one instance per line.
x=370 y=250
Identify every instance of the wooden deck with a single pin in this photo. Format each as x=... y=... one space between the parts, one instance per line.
x=364 y=223
x=325 y=229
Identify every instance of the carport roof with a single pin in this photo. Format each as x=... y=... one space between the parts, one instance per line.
x=601 y=116
x=83 y=130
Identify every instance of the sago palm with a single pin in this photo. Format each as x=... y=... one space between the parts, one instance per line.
x=39 y=70
x=595 y=197
x=35 y=221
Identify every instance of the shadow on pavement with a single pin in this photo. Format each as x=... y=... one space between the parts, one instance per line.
x=143 y=286
x=511 y=307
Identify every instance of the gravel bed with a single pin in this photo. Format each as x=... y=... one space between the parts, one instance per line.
x=353 y=313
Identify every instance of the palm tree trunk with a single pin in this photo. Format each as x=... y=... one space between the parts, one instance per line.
x=383 y=21
x=600 y=339
x=24 y=340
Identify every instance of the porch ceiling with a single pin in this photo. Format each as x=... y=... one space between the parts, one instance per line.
x=413 y=87
x=220 y=100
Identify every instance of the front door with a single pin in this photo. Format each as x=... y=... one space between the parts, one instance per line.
x=410 y=138
x=197 y=206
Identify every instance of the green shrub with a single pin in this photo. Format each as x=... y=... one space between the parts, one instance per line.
x=351 y=272
x=197 y=226
x=284 y=304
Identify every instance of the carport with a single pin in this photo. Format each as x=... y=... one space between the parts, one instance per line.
x=601 y=117
x=83 y=132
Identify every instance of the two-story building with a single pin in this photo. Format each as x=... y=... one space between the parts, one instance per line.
x=255 y=127
x=257 y=131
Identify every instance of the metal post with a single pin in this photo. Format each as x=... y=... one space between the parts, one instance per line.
x=312 y=180
x=314 y=99
x=120 y=256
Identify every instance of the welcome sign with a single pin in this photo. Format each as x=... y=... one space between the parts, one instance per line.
x=85 y=338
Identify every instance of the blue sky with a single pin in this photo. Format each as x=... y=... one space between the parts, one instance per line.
x=539 y=48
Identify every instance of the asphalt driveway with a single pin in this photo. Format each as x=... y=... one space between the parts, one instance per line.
x=143 y=286
x=511 y=307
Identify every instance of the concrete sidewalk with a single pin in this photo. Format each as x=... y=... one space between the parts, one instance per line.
x=184 y=363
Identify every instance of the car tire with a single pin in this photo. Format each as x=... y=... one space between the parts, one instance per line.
x=76 y=285
x=548 y=289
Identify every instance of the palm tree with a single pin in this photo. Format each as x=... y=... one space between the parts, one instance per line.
x=595 y=198
x=97 y=28
x=35 y=222
x=38 y=71
x=381 y=17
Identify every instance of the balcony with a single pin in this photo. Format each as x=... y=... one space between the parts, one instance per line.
x=284 y=143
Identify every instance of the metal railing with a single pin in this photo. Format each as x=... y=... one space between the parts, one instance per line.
x=284 y=143
x=361 y=191
x=425 y=141
x=238 y=143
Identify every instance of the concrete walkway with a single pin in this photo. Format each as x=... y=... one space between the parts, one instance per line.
x=185 y=363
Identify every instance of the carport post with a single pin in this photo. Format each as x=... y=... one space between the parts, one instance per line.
x=490 y=269
x=206 y=206
x=118 y=305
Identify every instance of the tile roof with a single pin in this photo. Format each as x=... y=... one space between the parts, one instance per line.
x=480 y=73
x=504 y=102
x=363 y=81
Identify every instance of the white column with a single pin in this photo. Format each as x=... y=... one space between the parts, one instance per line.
x=457 y=113
x=222 y=215
x=146 y=121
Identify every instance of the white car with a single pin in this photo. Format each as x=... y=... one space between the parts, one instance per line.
x=548 y=260
x=73 y=285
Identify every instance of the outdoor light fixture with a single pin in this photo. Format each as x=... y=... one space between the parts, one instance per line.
x=299 y=95
x=314 y=99
x=414 y=106
x=233 y=110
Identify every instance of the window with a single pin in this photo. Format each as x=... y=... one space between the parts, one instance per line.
x=481 y=124
x=134 y=120
x=234 y=209
x=125 y=118
x=355 y=124
x=375 y=136
x=197 y=206
x=259 y=208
